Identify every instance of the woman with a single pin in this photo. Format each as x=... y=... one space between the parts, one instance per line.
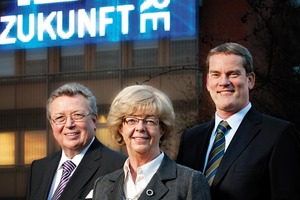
x=141 y=117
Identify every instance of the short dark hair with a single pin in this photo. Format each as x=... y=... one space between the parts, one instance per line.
x=236 y=49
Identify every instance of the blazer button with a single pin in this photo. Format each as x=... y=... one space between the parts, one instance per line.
x=149 y=192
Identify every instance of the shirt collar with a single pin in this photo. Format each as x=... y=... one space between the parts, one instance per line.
x=234 y=120
x=148 y=169
x=77 y=158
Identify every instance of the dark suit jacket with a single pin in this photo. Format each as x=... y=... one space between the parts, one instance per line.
x=261 y=162
x=170 y=182
x=97 y=161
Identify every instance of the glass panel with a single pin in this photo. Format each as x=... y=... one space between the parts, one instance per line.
x=183 y=51
x=145 y=53
x=72 y=58
x=36 y=61
x=104 y=135
x=108 y=56
x=7 y=148
x=7 y=60
x=297 y=2
x=34 y=146
x=296 y=73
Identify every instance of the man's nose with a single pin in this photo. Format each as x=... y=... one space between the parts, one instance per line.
x=69 y=121
x=224 y=80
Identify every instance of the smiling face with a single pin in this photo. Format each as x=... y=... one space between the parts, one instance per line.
x=141 y=140
x=228 y=83
x=72 y=136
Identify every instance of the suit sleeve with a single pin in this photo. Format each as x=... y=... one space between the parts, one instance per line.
x=285 y=165
x=28 y=185
x=97 y=189
x=199 y=188
x=29 y=182
x=180 y=150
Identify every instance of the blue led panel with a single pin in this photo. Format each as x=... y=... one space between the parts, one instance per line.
x=42 y=23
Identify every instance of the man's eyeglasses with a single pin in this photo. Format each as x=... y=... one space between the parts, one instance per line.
x=133 y=121
x=62 y=119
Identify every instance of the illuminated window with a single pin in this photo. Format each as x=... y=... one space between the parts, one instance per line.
x=34 y=146
x=7 y=148
x=145 y=53
x=72 y=58
x=35 y=61
x=7 y=60
x=102 y=119
x=104 y=135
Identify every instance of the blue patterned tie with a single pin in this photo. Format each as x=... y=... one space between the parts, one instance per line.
x=217 y=152
x=68 y=167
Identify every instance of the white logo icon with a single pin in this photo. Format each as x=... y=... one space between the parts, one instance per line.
x=27 y=2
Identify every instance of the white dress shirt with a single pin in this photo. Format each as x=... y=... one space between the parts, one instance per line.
x=145 y=172
x=76 y=160
x=234 y=122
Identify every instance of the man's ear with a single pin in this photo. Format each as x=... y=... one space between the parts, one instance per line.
x=251 y=80
x=206 y=82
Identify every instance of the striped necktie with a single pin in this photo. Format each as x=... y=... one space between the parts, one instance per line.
x=217 y=152
x=68 y=167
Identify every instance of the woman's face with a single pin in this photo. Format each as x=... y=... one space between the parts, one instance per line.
x=142 y=134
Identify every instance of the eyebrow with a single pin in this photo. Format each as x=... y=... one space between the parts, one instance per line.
x=228 y=72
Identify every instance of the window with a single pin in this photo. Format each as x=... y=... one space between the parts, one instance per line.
x=35 y=146
x=296 y=69
x=104 y=135
x=108 y=56
x=36 y=61
x=72 y=58
x=7 y=60
x=145 y=53
x=200 y=2
x=183 y=51
x=11 y=145
x=296 y=73
x=7 y=148
x=297 y=3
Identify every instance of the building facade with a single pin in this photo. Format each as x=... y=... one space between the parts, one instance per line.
x=173 y=64
x=29 y=74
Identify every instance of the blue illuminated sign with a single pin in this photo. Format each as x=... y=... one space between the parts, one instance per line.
x=41 y=23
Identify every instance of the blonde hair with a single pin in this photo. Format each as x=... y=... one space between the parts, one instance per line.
x=140 y=99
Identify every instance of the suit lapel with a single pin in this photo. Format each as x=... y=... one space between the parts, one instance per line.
x=246 y=132
x=204 y=145
x=49 y=175
x=117 y=178
x=156 y=188
x=85 y=170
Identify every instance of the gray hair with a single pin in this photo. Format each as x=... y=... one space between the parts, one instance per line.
x=71 y=89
